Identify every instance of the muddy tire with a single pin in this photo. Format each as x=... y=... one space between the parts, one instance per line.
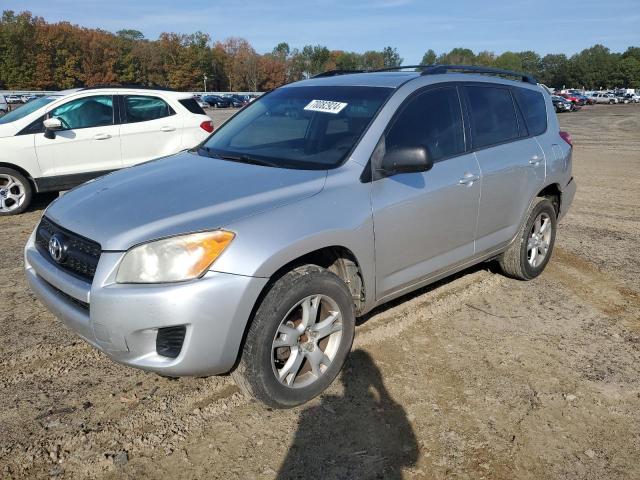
x=529 y=253
x=299 y=338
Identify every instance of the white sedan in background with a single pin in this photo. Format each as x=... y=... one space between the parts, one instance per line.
x=56 y=142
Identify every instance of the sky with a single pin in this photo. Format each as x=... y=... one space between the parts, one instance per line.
x=412 y=26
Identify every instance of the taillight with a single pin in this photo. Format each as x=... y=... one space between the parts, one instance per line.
x=566 y=136
x=207 y=126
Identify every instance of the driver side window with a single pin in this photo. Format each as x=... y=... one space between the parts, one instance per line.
x=87 y=112
x=432 y=119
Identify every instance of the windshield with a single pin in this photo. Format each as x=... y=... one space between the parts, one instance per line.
x=26 y=109
x=298 y=127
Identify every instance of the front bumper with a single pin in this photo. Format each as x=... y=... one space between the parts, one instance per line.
x=123 y=320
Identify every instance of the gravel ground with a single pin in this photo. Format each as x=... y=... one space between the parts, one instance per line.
x=476 y=377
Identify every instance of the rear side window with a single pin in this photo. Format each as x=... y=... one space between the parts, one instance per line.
x=493 y=115
x=191 y=105
x=141 y=108
x=433 y=120
x=534 y=110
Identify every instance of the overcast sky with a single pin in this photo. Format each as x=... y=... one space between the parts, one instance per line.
x=412 y=26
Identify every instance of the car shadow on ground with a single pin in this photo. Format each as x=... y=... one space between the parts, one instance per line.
x=362 y=434
x=41 y=201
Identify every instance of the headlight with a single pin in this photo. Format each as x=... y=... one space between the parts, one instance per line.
x=173 y=259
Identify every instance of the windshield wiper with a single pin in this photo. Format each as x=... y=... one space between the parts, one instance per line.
x=241 y=158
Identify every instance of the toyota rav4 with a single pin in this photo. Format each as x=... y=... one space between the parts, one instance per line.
x=255 y=252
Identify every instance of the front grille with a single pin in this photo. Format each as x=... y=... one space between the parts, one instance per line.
x=80 y=255
x=169 y=341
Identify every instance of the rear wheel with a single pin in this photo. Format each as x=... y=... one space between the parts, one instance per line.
x=299 y=338
x=529 y=254
x=15 y=192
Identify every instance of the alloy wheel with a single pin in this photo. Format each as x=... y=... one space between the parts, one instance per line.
x=307 y=341
x=12 y=193
x=539 y=240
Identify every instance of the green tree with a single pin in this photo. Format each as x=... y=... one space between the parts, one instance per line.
x=509 y=61
x=429 y=57
x=391 y=57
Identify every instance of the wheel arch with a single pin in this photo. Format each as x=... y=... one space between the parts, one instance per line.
x=554 y=194
x=22 y=172
x=337 y=259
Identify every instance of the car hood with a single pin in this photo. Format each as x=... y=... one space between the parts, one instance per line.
x=8 y=129
x=174 y=195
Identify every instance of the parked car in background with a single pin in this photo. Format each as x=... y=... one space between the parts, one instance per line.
x=57 y=142
x=13 y=99
x=216 y=101
x=256 y=252
x=4 y=106
x=238 y=101
x=27 y=98
x=599 y=97
x=202 y=103
x=623 y=97
x=575 y=99
x=561 y=104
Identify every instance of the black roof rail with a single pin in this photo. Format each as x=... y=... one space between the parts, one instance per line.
x=437 y=69
x=333 y=73
x=119 y=85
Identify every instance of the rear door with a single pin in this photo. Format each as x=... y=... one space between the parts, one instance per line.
x=150 y=128
x=426 y=221
x=511 y=161
x=89 y=141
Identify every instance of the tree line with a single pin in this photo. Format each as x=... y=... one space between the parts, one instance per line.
x=35 y=54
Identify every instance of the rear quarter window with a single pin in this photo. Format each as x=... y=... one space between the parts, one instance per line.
x=192 y=105
x=534 y=110
x=493 y=115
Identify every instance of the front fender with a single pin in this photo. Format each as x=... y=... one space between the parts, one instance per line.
x=340 y=215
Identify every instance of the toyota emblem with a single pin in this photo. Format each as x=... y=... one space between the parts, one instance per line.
x=56 y=249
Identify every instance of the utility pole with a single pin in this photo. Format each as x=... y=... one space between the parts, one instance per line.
x=205 y=82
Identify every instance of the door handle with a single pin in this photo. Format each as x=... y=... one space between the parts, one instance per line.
x=167 y=128
x=101 y=136
x=535 y=160
x=468 y=179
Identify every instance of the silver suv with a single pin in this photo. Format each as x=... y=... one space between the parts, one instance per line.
x=255 y=252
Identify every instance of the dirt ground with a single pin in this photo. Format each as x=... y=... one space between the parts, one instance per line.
x=476 y=377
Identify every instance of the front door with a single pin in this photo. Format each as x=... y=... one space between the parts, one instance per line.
x=89 y=141
x=426 y=222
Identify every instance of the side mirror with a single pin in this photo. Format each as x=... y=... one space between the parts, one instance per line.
x=51 y=125
x=406 y=160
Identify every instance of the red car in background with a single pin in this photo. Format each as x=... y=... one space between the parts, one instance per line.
x=574 y=98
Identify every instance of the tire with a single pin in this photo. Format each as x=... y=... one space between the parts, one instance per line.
x=529 y=253
x=16 y=192
x=284 y=376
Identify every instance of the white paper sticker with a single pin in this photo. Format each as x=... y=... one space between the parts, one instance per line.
x=326 y=106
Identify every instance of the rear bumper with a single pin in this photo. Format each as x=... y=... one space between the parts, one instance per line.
x=123 y=320
x=568 y=193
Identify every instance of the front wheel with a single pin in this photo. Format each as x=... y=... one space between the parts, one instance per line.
x=299 y=338
x=15 y=192
x=529 y=253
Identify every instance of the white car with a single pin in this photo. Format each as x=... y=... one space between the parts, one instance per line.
x=4 y=106
x=603 y=97
x=56 y=142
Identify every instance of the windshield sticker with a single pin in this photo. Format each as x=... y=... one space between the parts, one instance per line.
x=326 y=106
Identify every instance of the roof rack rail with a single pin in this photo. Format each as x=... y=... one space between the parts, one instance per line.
x=138 y=87
x=437 y=69
x=333 y=73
